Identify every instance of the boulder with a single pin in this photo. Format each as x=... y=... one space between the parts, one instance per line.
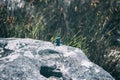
x=29 y=59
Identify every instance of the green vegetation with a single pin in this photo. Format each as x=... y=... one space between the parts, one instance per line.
x=92 y=25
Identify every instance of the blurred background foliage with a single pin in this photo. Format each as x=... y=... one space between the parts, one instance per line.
x=92 y=25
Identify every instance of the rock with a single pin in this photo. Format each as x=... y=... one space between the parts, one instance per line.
x=39 y=60
x=3 y=51
x=3 y=43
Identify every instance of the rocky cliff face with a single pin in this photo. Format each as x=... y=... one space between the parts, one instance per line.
x=28 y=59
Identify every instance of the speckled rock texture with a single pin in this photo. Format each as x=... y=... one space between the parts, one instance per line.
x=29 y=59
